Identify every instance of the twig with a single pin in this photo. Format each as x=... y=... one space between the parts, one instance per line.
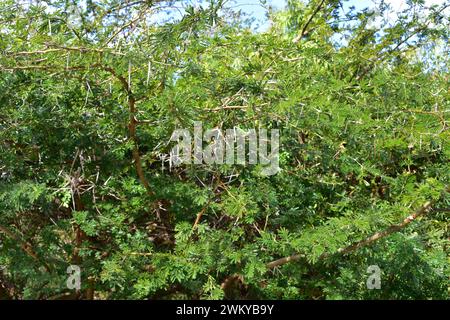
x=200 y=214
x=303 y=33
x=227 y=107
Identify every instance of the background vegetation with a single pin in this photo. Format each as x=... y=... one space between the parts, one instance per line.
x=89 y=98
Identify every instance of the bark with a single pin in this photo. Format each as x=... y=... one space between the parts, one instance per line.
x=359 y=244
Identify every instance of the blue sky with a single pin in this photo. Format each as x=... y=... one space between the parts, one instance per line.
x=255 y=9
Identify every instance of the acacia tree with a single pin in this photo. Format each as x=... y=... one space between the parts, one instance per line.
x=91 y=94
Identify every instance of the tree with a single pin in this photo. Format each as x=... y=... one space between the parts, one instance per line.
x=90 y=95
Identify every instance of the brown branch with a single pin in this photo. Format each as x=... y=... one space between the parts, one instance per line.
x=136 y=156
x=227 y=107
x=126 y=25
x=305 y=27
x=132 y=125
x=131 y=104
x=284 y=260
x=200 y=214
x=41 y=67
x=379 y=235
x=121 y=7
x=214 y=190
x=29 y=53
x=80 y=236
x=25 y=246
x=57 y=48
x=395 y=228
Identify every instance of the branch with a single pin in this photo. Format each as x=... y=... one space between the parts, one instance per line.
x=303 y=33
x=227 y=108
x=379 y=235
x=132 y=127
x=284 y=260
x=126 y=25
x=25 y=246
x=57 y=48
x=395 y=228
x=200 y=214
x=131 y=104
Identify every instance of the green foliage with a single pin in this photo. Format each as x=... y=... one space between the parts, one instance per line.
x=364 y=144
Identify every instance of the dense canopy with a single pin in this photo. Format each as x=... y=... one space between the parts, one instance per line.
x=91 y=91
